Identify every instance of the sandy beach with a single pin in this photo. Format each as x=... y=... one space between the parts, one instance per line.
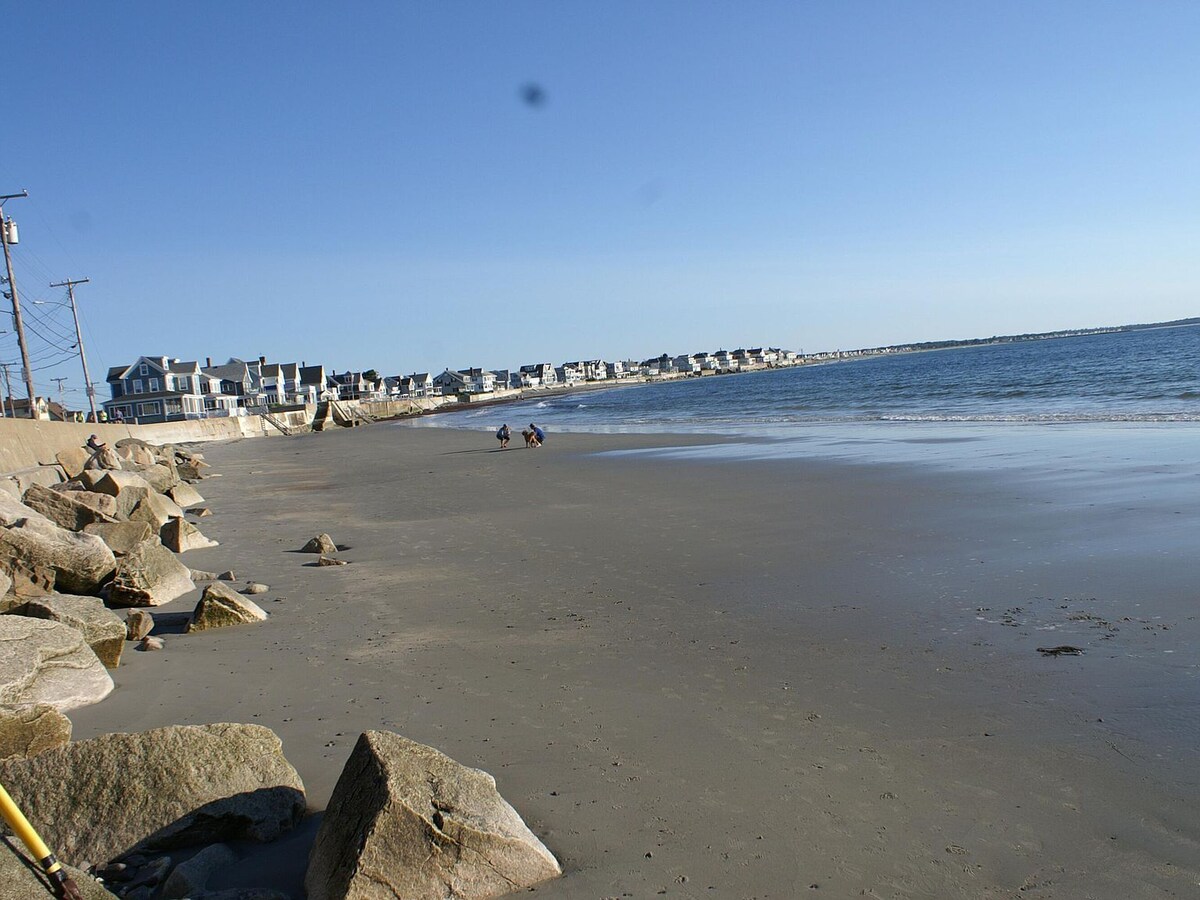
x=715 y=678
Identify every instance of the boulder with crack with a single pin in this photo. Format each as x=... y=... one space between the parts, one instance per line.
x=180 y=786
x=71 y=509
x=123 y=537
x=102 y=628
x=407 y=821
x=221 y=606
x=29 y=730
x=81 y=562
x=149 y=576
x=157 y=509
x=48 y=662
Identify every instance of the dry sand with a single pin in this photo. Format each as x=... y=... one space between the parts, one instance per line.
x=783 y=679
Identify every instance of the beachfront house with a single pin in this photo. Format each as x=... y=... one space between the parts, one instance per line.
x=538 y=375
x=238 y=379
x=466 y=381
x=351 y=386
x=312 y=384
x=505 y=379
x=156 y=389
x=724 y=361
x=417 y=385
x=687 y=364
x=616 y=370
x=570 y=374
x=281 y=384
x=595 y=370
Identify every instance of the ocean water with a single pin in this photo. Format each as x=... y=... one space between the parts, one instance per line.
x=995 y=405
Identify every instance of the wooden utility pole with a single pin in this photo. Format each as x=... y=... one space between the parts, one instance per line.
x=62 y=408
x=87 y=381
x=8 y=390
x=5 y=224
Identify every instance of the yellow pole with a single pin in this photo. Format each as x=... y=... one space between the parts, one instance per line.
x=29 y=837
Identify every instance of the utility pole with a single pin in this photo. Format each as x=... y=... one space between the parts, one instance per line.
x=62 y=409
x=8 y=390
x=5 y=225
x=87 y=381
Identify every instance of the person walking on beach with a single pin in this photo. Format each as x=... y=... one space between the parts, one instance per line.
x=503 y=435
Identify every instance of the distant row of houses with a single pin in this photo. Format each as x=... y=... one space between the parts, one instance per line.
x=161 y=389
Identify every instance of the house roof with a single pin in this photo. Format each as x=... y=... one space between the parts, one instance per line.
x=312 y=375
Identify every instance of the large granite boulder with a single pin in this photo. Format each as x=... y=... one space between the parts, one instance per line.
x=21 y=878
x=407 y=821
x=48 y=662
x=105 y=459
x=190 y=877
x=185 y=495
x=102 y=628
x=128 y=488
x=71 y=509
x=137 y=454
x=80 y=562
x=220 y=606
x=181 y=535
x=192 y=470
x=160 y=477
x=150 y=575
x=72 y=460
x=157 y=509
x=123 y=537
x=29 y=730
x=180 y=786
x=13 y=510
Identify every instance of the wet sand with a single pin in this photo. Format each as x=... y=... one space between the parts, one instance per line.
x=715 y=679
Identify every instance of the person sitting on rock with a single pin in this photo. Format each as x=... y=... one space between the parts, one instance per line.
x=96 y=445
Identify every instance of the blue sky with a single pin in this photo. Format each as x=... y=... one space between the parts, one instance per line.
x=362 y=185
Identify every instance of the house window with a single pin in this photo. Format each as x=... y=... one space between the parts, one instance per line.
x=173 y=407
x=143 y=369
x=149 y=409
x=154 y=384
x=137 y=386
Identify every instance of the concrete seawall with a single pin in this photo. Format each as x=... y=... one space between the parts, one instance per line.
x=26 y=443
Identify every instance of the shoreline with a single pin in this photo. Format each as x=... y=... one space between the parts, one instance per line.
x=753 y=684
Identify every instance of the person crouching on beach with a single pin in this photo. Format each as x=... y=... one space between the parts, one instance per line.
x=539 y=436
x=503 y=436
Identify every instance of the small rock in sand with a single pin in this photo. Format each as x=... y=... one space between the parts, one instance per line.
x=322 y=543
x=254 y=587
x=227 y=576
x=330 y=561
x=151 y=643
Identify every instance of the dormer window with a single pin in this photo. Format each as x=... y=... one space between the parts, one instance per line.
x=143 y=369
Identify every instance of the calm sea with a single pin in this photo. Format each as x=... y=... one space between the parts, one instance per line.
x=1150 y=376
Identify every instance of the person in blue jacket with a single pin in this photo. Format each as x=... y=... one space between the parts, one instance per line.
x=539 y=436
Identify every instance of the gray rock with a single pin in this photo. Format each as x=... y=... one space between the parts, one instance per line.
x=48 y=662
x=192 y=470
x=201 y=575
x=157 y=790
x=322 y=543
x=149 y=576
x=407 y=821
x=156 y=509
x=221 y=606
x=227 y=576
x=185 y=495
x=137 y=454
x=123 y=537
x=72 y=460
x=102 y=628
x=200 y=512
x=330 y=561
x=80 y=562
x=254 y=587
x=29 y=730
x=21 y=878
x=71 y=509
x=160 y=477
x=190 y=877
x=46 y=476
x=13 y=510
x=151 y=873
x=105 y=459
x=138 y=624
x=181 y=535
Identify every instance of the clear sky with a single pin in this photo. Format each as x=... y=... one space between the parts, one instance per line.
x=364 y=185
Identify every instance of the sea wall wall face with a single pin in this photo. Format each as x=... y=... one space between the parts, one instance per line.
x=25 y=443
